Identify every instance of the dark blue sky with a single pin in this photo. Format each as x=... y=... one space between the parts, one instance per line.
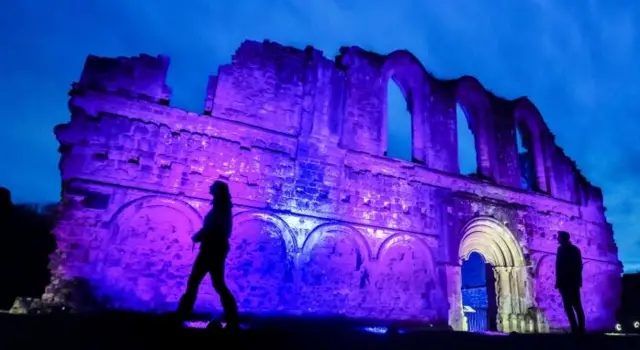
x=577 y=60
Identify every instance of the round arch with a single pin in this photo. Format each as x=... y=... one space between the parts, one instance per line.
x=354 y=236
x=178 y=210
x=491 y=239
x=498 y=246
x=406 y=67
x=527 y=112
x=153 y=229
x=285 y=231
x=155 y=201
x=400 y=238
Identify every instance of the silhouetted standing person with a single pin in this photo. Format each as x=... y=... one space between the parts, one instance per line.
x=569 y=281
x=214 y=247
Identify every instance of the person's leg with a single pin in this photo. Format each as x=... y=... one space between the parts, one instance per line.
x=567 y=302
x=577 y=306
x=188 y=299
x=226 y=298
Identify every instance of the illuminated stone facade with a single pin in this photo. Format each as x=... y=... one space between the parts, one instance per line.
x=325 y=223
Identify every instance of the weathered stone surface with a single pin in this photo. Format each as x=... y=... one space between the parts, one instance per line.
x=324 y=222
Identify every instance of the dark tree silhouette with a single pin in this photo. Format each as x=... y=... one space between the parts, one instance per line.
x=26 y=241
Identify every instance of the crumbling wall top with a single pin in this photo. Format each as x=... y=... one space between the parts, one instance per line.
x=266 y=84
x=143 y=76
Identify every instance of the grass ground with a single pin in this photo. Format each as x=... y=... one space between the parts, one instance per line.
x=139 y=331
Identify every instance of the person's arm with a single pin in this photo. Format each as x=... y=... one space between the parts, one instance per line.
x=204 y=231
x=579 y=267
x=197 y=238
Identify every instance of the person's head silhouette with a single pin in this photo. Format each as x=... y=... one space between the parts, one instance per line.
x=220 y=192
x=564 y=237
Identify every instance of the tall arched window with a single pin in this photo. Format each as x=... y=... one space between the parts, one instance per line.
x=526 y=162
x=399 y=135
x=467 y=157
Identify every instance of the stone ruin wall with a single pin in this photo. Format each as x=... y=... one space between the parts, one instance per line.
x=324 y=223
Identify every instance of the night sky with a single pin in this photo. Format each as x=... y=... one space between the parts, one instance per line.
x=578 y=64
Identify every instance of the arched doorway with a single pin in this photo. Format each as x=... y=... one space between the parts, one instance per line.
x=487 y=238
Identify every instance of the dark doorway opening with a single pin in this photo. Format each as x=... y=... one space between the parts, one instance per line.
x=479 y=294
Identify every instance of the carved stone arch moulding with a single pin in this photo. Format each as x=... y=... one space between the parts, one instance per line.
x=499 y=247
x=334 y=272
x=494 y=241
x=261 y=262
x=147 y=255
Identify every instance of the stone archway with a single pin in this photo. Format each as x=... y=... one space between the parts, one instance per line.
x=405 y=280
x=146 y=259
x=260 y=263
x=499 y=248
x=334 y=277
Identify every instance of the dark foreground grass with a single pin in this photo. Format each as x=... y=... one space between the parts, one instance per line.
x=140 y=331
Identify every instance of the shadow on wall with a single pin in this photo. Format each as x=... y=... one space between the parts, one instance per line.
x=26 y=241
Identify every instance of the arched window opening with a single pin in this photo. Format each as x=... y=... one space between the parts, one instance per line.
x=467 y=158
x=399 y=136
x=525 y=159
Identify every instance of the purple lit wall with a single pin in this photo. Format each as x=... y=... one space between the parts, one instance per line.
x=324 y=223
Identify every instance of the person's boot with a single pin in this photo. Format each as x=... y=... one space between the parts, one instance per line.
x=182 y=313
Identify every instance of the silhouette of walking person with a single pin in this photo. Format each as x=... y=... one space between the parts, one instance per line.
x=214 y=247
x=569 y=281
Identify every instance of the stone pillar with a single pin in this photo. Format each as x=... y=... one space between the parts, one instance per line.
x=518 y=314
x=539 y=164
x=485 y=142
x=504 y=292
x=541 y=322
x=419 y=128
x=512 y=299
x=454 y=285
x=516 y=290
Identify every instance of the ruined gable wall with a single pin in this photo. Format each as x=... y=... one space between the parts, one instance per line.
x=323 y=220
x=263 y=86
x=133 y=246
